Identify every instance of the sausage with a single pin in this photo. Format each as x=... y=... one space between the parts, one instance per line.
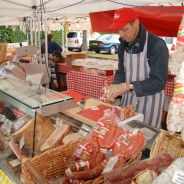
x=129 y=144
x=109 y=134
x=87 y=149
x=96 y=129
x=85 y=165
x=88 y=174
x=118 y=175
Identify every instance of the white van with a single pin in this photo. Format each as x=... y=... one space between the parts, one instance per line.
x=74 y=39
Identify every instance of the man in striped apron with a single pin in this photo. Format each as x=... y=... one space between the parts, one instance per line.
x=142 y=70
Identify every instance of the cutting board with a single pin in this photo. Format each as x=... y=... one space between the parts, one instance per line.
x=94 y=113
x=89 y=103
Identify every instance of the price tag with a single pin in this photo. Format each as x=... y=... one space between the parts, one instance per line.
x=178 y=177
x=18 y=124
x=86 y=127
x=110 y=164
x=84 y=133
x=59 y=122
x=22 y=142
x=6 y=127
x=103 y=150
x=94 y=108
x=15 y=162
x=2 y=118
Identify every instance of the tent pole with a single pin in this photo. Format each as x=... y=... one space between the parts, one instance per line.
x=31 y=30
x=35 y=21
x=39 y=40
x=46 y=42
x=63 y=46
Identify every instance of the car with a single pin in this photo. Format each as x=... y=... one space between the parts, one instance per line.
x=106 y=42
x=171 y=43
x=75 y=39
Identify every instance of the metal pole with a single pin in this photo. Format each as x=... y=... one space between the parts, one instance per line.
x=31 y=30
x=35 y=37
x=39 y=41
x=46 y=42
x=63 y=45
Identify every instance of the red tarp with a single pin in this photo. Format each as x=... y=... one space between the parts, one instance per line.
x=156 y=20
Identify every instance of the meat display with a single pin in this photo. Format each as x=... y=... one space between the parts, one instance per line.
x=56 y=137
x=44 y=128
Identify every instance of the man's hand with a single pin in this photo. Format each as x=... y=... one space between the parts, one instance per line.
x=56 y=85
x=111 y=92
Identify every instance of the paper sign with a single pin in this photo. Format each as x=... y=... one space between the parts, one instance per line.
x=110 y=164
x=178 y=177
x=18 y=124
x=95 y=108
x=6 y=127
x=2 y=118
x=15 y=162
x=59 y=122
x=84 y=133
x=21 y=142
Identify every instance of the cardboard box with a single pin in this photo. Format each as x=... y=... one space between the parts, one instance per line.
x=71 y=56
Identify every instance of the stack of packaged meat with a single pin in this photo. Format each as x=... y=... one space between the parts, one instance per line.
x=108 y=147
x=175 y=118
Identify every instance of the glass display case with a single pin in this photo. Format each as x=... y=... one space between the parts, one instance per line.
x=32 y=100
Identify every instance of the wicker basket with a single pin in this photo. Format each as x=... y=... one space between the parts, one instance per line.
x=167 y=142
x=100 y=179
x=52 y=163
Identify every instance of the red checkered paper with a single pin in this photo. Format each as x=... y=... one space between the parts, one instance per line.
x=87 y=84
x=169 y=89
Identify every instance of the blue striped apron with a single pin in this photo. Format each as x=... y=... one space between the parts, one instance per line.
x=137 y=69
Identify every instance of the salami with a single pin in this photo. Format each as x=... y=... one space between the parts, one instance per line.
x=89 y=148
x=129 y=143
x=85 y=165
x=88 y=174
x=109 y=133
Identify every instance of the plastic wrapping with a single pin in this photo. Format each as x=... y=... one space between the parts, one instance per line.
x=131 y=173
x=168 y=175
x=175 y=118
x=130 y=143
x=106 y=130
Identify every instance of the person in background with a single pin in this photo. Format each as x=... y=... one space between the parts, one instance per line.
x=142 y=69
x=52 y=46
x=53 y=60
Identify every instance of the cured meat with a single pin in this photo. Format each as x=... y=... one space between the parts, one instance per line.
x=89 y=148
x=129 y=143
x=108 y=133
x=152 y=166
x=44 y=128
x=71 y=137
x=88 y=174
x=124 y=112
x=85 y=165
x=56 y=137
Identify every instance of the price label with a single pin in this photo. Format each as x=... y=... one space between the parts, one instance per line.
x=110 y=164
x=94 y=108
x=18 y=124
x=2 y=118
x=103 y=150
x=86 y=127
x=22 y=142
x=59 y=122
x=84 y=133
x=6 y=127
x=178 y=177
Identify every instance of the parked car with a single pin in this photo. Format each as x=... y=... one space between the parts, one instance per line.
x=75 y=39
x=171 y=43
x=106 y=42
